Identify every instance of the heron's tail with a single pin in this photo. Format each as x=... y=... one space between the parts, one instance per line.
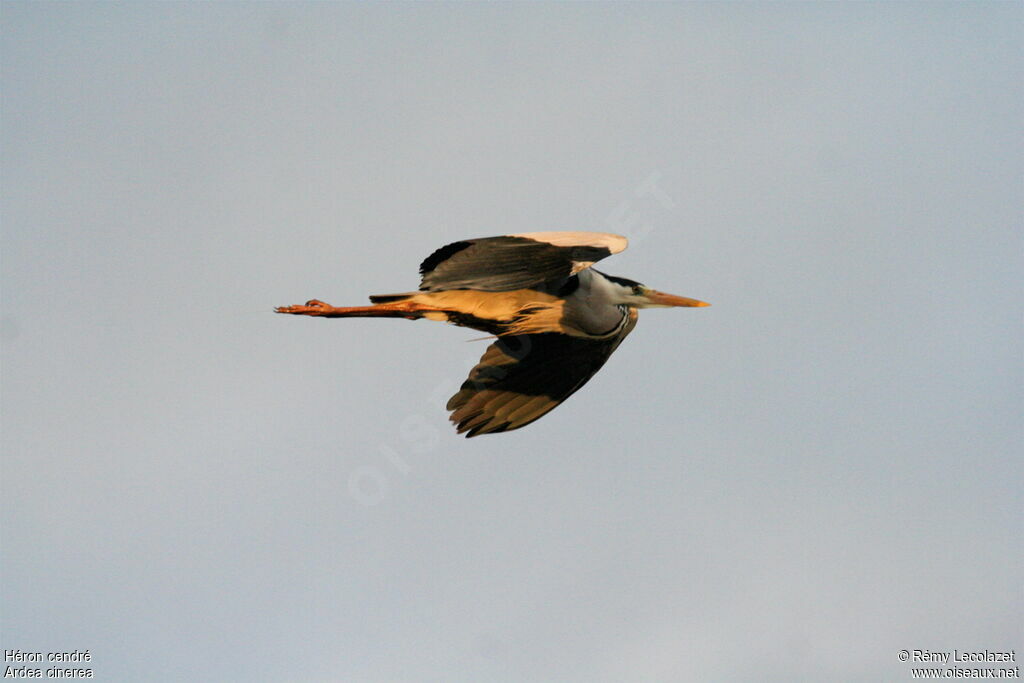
x=390 y=298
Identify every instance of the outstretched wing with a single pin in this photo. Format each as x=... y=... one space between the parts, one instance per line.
x=521 y=378
x=501 y=264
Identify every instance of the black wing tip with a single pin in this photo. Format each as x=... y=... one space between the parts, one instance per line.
x=484 y=428
x=489 y=426
x=443 y=254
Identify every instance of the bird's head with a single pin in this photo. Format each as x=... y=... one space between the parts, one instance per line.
x=631 y=293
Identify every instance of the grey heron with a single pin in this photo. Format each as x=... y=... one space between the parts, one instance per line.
x=556 y=319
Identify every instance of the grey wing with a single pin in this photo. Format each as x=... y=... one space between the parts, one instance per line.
x=510 y=262
x=521 y=378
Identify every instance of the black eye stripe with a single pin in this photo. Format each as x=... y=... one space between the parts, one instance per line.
x=625 y=282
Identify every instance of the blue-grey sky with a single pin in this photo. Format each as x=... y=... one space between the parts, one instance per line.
x=818 y=471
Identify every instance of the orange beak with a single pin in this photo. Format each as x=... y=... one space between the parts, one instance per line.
x=657 y=298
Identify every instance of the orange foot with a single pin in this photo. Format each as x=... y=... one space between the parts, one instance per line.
x=311 y=307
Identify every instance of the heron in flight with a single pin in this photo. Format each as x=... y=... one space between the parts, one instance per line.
x=556 y=319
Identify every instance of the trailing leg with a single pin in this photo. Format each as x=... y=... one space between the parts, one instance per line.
x=315 y=307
